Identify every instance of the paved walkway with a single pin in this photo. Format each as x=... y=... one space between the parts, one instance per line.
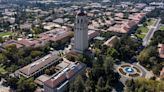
x=146 y=74
x=149 y=35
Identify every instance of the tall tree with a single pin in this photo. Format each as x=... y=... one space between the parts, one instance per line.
x=100 y=87
x=12 y=82
x=78 y=85
x=89 y=86
x=3 y=58
x=108 y=64
x=26 y=85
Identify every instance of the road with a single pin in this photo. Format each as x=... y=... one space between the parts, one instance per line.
x=149 y=35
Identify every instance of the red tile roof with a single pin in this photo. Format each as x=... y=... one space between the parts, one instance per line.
x=131 y=23
x=55 y=82
x=25 y=42
x=138 y=16
x=70 y=74
x=39 y=64
x=53 y=35
x=65 y=75
x=126 y=28
x=18 y=45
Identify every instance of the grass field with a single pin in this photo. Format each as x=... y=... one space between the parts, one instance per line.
x=141 y=35
x=2 y=34
x=151 y=22
x=143 y=29
x=162 y=28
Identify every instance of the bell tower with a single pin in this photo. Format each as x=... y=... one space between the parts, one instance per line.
x=81 y=32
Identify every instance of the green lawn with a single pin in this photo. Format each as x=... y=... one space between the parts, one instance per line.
x=141 y=35
x=143 y=29
x=5 y=34
x=162 y=28
x=2 y=70
x=151 y=22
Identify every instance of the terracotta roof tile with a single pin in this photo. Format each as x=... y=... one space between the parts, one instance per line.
x=55 y=82
x=33 y=67
x=70 y=74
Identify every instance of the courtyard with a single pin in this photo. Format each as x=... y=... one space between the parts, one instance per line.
x=131 y=71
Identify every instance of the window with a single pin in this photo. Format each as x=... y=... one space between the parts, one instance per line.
x=81 y=20
x=77 y=20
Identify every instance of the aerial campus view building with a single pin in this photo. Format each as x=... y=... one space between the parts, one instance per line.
x=60 y=81
x=81 y=46
x=36 y=68
x=66 y=71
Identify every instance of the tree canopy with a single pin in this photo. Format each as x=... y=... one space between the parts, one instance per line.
x=142 y=85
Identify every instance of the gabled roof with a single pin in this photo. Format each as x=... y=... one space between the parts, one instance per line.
x=39 y=64
x=54 y=82
x=65 y=75
x=131 y=23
